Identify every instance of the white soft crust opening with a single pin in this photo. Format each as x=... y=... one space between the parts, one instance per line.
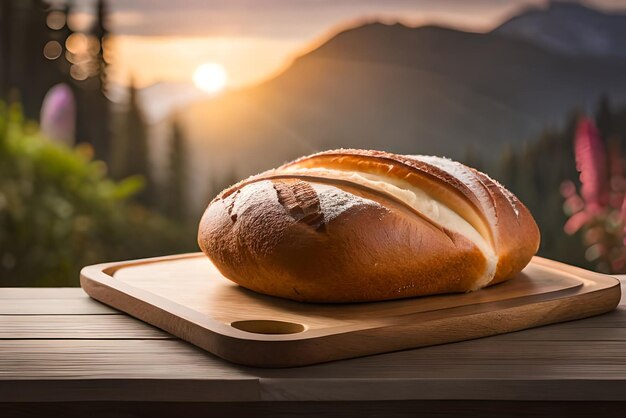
x=419 y=200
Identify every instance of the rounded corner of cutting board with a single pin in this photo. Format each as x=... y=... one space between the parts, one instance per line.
x=91 y=277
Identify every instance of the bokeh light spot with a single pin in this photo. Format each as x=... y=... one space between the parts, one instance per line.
x=52 y=50
x=55 y=20
x=78 y=72
x=76 y=43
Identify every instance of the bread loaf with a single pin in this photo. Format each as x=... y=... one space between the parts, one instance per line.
x=356 y=225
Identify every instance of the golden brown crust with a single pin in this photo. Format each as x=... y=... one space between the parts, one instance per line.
x=287 y=233
x=345 y=259
x=517 y=234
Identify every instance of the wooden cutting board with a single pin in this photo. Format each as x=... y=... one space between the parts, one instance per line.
x=188 y=297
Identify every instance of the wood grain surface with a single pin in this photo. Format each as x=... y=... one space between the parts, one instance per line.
x=188 y=297
x=112 y=357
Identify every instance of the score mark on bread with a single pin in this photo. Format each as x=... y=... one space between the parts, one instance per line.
x=301 y=202
x=355 y=225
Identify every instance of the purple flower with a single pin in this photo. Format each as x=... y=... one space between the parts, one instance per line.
x=58 y=114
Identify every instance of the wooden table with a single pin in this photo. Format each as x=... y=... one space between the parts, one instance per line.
x=63 y=353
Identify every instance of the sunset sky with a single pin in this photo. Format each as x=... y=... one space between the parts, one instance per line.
x=162 y=40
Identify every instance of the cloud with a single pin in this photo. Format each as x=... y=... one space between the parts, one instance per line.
x=300 y=18
x=280 y=18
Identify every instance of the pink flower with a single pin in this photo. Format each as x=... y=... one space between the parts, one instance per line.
x=591 y=162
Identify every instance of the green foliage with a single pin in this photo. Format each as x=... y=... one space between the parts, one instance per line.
x=59 y=211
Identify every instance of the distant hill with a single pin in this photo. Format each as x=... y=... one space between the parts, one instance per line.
x=570 y=28
x=409 y=90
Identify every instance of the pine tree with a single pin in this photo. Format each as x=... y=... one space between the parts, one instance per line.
x=176 y=196
x=472 y=159
x=101 y=33
x=604 y=116
x=130 y=154
x=506 y=172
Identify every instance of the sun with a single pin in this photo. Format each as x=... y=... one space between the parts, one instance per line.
x=210 y=77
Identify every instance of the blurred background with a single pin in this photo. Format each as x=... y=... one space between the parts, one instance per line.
x=121 y=120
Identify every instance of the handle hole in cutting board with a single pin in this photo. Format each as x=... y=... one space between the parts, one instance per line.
x=266 y=326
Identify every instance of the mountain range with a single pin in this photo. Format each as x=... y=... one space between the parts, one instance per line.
x=570 y=28
x=423 y=90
